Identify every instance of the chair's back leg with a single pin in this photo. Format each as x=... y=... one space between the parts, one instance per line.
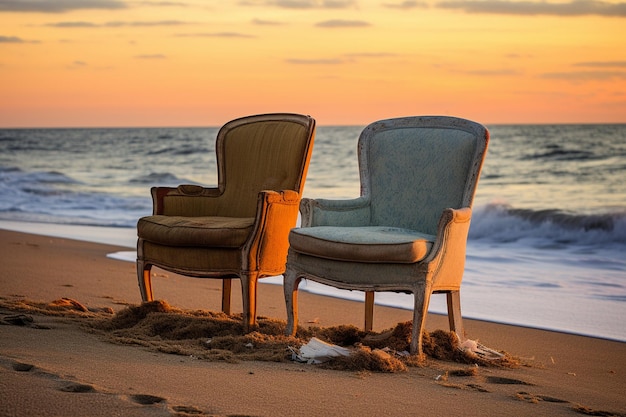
x=454 y=314
x=145 y=281
x=369 y=310
x=227 y=284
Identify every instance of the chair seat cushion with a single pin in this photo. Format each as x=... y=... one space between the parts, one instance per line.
x=362 y=244
x=225 y=232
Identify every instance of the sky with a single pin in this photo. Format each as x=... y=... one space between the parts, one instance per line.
x=126 y=63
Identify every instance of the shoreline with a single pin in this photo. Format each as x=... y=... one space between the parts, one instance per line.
x=562 y=375
x=476 y=304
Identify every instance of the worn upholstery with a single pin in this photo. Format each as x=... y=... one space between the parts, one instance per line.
x=408 y=229
x=240 y=228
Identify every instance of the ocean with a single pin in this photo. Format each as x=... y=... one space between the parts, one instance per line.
x=547 y=244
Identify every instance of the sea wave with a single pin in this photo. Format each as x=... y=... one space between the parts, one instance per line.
x=179 y=150
x=563 y=155
x=502 y=223
x=14 y=175
x=161 y=178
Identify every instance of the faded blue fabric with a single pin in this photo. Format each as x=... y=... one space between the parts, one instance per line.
x=414 y=174
x=375 y=235
x=362 y=244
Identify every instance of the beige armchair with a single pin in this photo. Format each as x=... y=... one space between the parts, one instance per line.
x=238 y=229
x=407 y=231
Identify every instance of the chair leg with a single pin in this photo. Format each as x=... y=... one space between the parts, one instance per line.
x=248 y=292
x=227 y=284
x=290 y=287
x=420 y=310
x=369 y=310
x=454 y=314
x=145 y=280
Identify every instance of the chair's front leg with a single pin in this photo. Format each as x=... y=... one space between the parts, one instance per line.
x=290 y=286
x=248 y=292
x=420 y=310
x=145 y=280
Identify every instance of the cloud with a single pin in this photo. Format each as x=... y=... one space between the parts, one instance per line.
x=492 y=73
x=371 y=55
x=585 y=75
x=72 y=25
x=14 y=39
x=262 y=22
x=602 y=64
x=346 y=59
x=286 y=4
x=214 y=35
x=531 y=8
x=338 y=23
x=300 y=4
x=147 y=23
x=57 y=6
x=164 y=3
x=117 y=24
x=406 y=5
x=337 y=4
x=599 y=71
x=11 y=39
x=151 y=56
x=330 y=61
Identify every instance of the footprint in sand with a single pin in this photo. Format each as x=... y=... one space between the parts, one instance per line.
x=145 y=399
x=23 y=367
x=75 y=387
x=189 y=410
x=506 y=381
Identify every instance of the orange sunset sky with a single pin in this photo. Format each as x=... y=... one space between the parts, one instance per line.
x=75 y=63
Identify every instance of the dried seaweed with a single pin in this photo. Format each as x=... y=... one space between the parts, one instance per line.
x=209 y=335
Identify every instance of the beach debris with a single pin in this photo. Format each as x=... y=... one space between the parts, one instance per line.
x=68 y=303
x=317 y=351
x=472 y=347
x=442 y=377
x=215 y=336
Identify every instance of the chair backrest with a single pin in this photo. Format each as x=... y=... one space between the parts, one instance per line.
x=262 y=152
x=414 y=167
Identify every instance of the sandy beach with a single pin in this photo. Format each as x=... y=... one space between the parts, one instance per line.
x=56 y=364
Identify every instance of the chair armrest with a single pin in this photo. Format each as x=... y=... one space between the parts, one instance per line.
x=276 y=215
x=169 y=200
x=346 y=213
x=446 y=260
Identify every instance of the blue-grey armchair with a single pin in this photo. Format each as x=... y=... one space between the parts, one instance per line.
x=407 y=232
